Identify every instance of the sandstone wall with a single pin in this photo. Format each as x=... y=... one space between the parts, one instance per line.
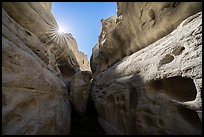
x=36 y=18
x=37 y=67
x=34 y=98
x=157 y=89
x=47 y=5
x=137 y=25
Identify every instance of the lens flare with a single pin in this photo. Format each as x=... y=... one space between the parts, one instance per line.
x=60 y=30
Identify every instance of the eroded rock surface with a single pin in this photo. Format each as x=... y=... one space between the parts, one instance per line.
x=147 y=79
x=36 y=18
x=37 y=67
x=34 y=99
x=47 y=5
x=137 y=25
x=156 y=90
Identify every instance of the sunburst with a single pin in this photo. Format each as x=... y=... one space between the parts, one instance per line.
x=61 y=30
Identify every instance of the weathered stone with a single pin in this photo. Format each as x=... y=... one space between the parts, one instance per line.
x=35 y=101
x=79 y=91
x=156 y=90
x=19 y=35
x=36 y=18
x=146 y=78
x=32 y=16
x=137 y=25
x=36 y=71
x=47 y=5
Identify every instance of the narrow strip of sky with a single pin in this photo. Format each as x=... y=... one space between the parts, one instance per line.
x=83 y=20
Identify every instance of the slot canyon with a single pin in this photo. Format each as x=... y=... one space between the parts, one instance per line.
x=144 y=76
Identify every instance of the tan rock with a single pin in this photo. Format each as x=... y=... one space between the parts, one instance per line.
x=32 y=16
x=35 y=100
x=47 y=5
x=36 y=18
x=16 y=33
x=79 y=90
x=156 y=90
x=139 y=24
x=36 y=71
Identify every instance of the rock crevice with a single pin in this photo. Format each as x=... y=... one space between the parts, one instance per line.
x=146 y=73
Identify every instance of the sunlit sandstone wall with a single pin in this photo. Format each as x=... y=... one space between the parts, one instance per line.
x=147 y=69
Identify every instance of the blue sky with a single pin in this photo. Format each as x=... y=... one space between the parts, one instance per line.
x=82 y=20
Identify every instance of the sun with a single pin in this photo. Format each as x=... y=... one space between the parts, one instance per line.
x=61 y=30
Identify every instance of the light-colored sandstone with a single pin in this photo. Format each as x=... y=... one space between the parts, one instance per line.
x=156 y=90
x=36 y=18
x=137 y=25
x=36 y=71
x=35 y=100
x=16 y=33
x=47 y=5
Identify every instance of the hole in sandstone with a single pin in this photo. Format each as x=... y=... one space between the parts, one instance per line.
x=28 y=106
x=123 y=108
x=178 y=50
x=148 y=120
x=175 y=4
x=122 y=97
x=161 y=122
x=151 y=14
x=178 y=88
x=13 y=119
x=167 y=59
x=165 y=5
x=28 y=33
x=111 y=101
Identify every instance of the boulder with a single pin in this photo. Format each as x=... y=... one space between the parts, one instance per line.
x=80 y=90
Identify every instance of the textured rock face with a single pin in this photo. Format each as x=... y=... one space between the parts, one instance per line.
x=47 y=5
x=156 y=90
x=35 y=100
x=79 y=90
x=40 y=21
x=32 y=16
x=37 y=65
x=137 y=25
